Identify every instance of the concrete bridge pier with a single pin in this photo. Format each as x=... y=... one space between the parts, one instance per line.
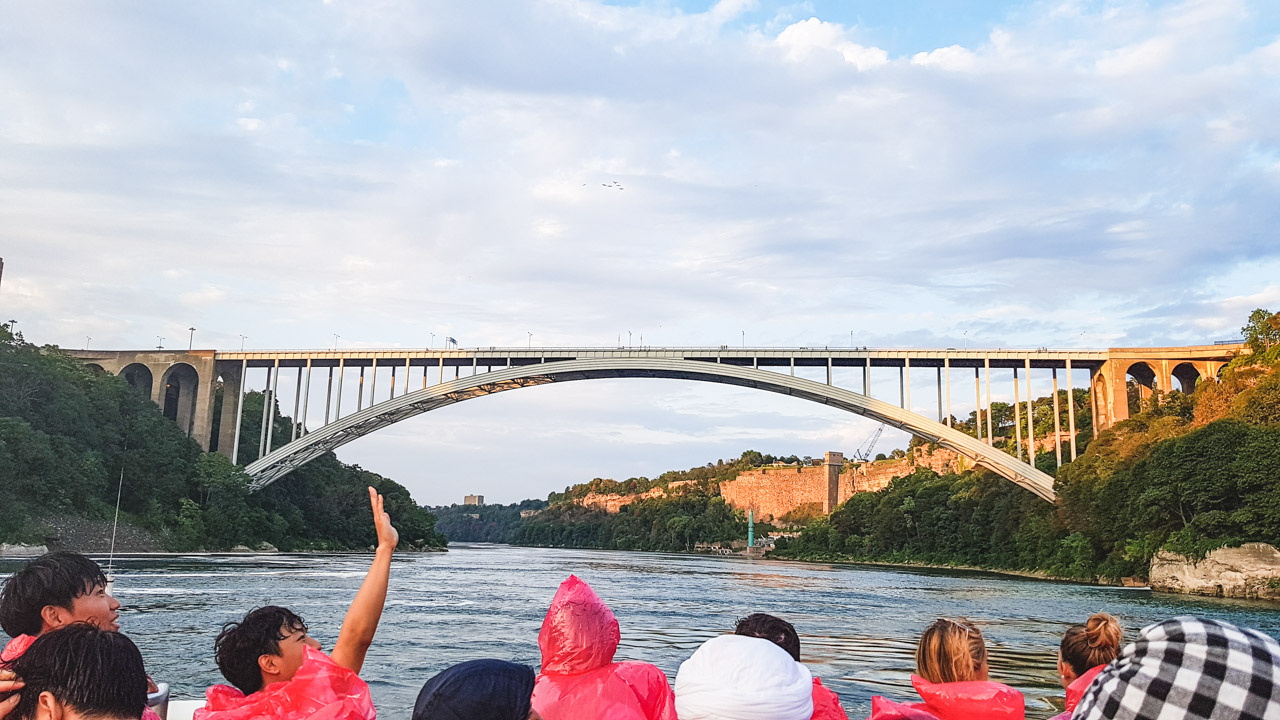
x=181 y=383
x=1154 y=370
x=834 y=462
x=232 y=374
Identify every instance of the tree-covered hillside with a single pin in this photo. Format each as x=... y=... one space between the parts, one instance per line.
x=482 y=523
x=67 y=434
x=1187 y=473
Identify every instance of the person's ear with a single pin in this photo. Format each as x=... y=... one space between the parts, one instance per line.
x=269 y=664
x=48 y=707
x=55 y=617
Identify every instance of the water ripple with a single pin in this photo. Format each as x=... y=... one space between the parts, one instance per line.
x=858 y=623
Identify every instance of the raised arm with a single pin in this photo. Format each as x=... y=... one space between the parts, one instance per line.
x=362 y=618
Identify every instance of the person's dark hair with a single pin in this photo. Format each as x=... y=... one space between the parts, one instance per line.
x=57 y=579
x=1095 y=643
x=240 y=644
x=774 y=629
x=98 y=673
x=477 y=690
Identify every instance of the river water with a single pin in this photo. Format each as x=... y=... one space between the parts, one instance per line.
x=858 y=624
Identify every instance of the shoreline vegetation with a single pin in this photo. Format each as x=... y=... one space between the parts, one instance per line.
x=70 y=437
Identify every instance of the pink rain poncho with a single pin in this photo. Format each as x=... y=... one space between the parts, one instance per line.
x=321 y=690
x=974 y=700
x=579 y=678
x=826 y=703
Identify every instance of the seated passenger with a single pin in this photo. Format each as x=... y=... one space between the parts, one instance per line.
x=51 y=592
x=480 y=690
x=579 y=678
x=1191 y=669
x=1084 y=651
x=80 y=672
x=732 y=677
x=279 y=671
x=952 y=661
x=826 y=704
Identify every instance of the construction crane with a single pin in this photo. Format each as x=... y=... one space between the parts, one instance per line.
x=863 y=454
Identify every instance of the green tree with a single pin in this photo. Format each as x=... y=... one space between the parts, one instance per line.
x=1262 y=331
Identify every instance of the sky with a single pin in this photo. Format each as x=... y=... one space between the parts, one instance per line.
x=905 y=174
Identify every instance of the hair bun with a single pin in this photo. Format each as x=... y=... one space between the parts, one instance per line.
x=1103 y=630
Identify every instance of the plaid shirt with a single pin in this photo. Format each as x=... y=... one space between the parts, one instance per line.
x=1189 y=668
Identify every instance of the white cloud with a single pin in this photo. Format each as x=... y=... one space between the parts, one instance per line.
x=1097 y=169
x=952 y=57
x=800 y=40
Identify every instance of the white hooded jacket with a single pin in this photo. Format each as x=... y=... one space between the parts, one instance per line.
x=734 y=677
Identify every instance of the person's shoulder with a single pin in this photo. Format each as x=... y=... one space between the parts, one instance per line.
x=826 y=703
x=16 y=647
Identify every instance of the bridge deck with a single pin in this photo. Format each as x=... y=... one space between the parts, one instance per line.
x=758 y=357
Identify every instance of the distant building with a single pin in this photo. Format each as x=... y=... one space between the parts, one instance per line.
x=473 y=500
x=528 y=513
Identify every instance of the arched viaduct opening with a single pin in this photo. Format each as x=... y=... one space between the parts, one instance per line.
x=1140 y=385
x=181 y=386
x=138 y=376
x=1186 y=375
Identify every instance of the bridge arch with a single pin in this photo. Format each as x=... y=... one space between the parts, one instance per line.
x=285 y=459
x=1186 y=375
x=180 y=384
x=138 y=376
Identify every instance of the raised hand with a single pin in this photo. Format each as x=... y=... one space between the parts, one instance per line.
x=388 y=536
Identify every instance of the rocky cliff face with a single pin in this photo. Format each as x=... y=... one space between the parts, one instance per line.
x=1249 y=571
x=613 y=503
x=774 y=492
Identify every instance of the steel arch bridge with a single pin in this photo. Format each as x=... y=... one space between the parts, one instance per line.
x=310 y=445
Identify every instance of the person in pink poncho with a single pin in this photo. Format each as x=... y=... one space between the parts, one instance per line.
x=1085 y=650
x=952 y=661
x=579 y=678
x=54 y=591
x=278 y=669
x=77 y=672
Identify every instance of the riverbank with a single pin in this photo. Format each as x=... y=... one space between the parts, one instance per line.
x=1028 y=574
x=1250 y=572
